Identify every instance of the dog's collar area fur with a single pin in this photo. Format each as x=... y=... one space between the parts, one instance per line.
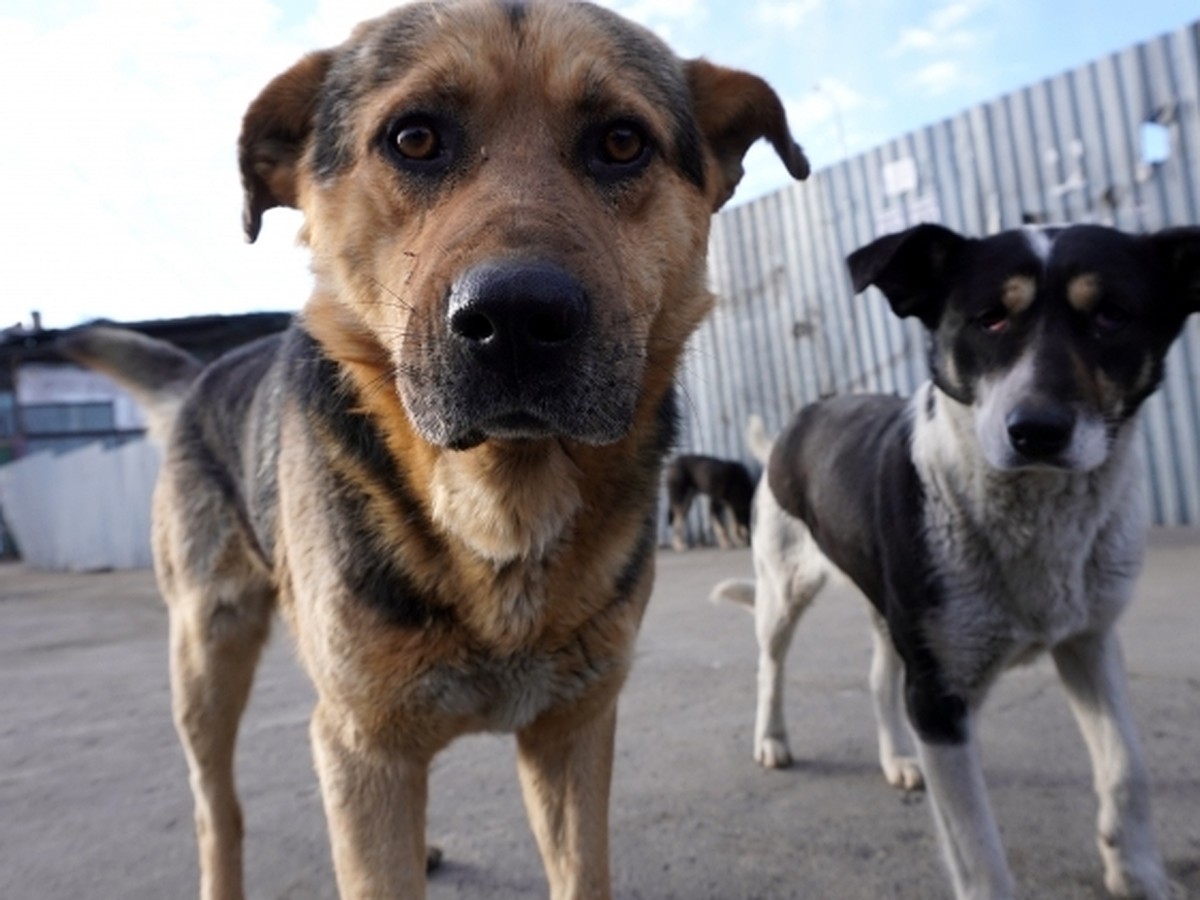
x=507 y=501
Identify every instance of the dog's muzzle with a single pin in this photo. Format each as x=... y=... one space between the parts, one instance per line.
x=520 y=355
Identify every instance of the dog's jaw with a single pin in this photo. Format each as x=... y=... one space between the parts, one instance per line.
x=507 y=501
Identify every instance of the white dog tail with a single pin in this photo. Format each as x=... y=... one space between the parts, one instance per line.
x=757 y=438
x=738 y=591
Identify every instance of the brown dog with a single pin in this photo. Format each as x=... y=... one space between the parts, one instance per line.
x=445 y=474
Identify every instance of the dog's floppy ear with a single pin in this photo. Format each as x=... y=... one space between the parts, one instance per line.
x=1179 y=250
x=275 y=131
x=913 y=268
x=734 y=109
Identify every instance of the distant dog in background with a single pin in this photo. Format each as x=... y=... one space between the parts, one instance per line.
x=729 y=487
x=995 y=515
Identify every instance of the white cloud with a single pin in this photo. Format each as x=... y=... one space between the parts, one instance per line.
x=953 y=14
x=788 y=14
x=829 y=101
x=938 y=78
x=918 y=39
x=944 y=30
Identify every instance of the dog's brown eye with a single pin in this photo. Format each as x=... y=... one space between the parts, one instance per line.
x=616 y=150
x=423 y=145
x=417 y=142
x=623 y=145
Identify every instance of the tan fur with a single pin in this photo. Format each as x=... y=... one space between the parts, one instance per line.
x=1018 y=294
x=1083 y=292
x=519 y=546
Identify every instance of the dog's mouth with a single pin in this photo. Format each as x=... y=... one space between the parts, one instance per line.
x=514 y=426
x=472 y=407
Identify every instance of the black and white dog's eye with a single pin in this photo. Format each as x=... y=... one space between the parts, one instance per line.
x=994 y=320
x=1109 y=320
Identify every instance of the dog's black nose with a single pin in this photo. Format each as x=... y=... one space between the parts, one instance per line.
x=1040 y=432
x=517 y=314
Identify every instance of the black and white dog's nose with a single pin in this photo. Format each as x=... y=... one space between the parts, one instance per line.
x=517 y=313
x=1040 y=432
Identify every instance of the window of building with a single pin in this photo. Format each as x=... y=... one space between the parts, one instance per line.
x=67 y=418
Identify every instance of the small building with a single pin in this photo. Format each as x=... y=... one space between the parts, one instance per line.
x=50 y=404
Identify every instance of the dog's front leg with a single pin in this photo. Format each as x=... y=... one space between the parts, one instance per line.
x=718 y=514
x=1093 y=672
x=375 y=804
x=679 y=529
x=900 y=767
x=566 y=773
x=966 y=827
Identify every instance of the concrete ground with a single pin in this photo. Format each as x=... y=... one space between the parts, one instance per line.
x=94 y=799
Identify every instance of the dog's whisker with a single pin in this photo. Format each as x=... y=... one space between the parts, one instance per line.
x=391 y=294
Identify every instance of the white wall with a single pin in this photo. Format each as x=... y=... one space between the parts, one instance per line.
x=82 y=511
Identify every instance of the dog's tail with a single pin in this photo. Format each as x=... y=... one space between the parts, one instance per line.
x=738 y=591
x=757 y=438
x=156 y=373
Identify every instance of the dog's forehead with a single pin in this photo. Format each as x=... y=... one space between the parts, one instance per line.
x=1054 y=254
x=995 y=260
x=1093 y=248
x=1090 y=262
x=467 y=47
x=421 y=31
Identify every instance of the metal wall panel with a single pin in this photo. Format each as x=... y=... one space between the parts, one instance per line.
x=85 y=510
x=788 y=329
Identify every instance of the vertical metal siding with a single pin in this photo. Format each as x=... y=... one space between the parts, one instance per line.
x=788 y=328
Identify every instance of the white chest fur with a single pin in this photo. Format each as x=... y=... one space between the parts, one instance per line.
x=1027 y=557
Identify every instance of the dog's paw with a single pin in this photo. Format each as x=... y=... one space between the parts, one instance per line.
x=433 y=859
x=1144 y=879
x=773 y=753
x=903 y=772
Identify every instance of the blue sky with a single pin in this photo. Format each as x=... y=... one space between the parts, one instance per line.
x=118 y=174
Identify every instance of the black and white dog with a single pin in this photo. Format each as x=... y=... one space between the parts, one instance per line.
x=729 y=487
x=996 y=514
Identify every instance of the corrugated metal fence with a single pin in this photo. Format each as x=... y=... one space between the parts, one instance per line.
x=85 y=510
x=1115 y=142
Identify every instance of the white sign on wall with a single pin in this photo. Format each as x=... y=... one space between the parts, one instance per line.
x=900 y=177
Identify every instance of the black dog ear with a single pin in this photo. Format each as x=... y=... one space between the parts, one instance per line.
x=913 y=268
x=1179 y=250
